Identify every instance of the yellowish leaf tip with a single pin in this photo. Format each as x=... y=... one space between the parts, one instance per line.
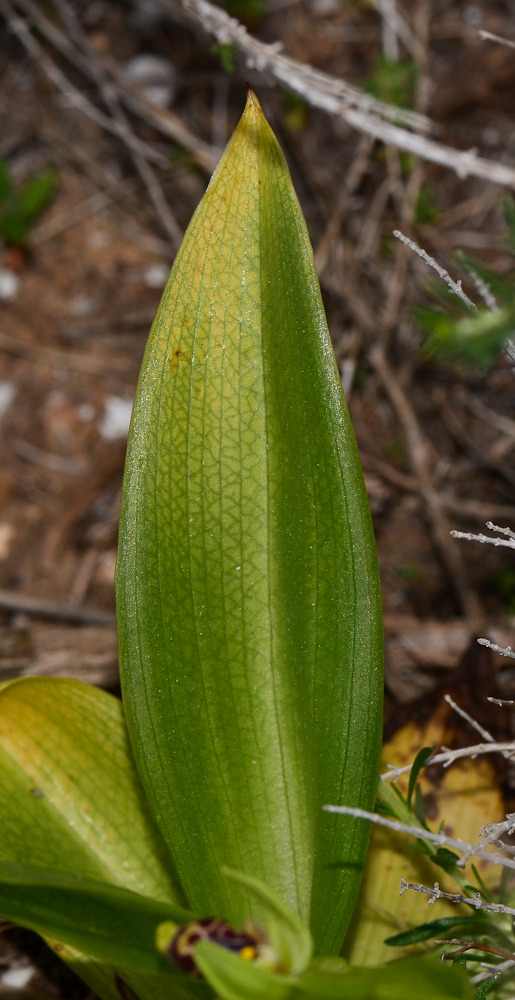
x=252 y=100
x=253 y=108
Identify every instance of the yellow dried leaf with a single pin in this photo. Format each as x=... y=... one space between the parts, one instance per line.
x=465 y=796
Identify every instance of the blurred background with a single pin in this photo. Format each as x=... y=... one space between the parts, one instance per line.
x=113 y=115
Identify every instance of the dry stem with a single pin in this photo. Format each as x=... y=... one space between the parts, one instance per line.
x=441 y=839
x=455 y=286
x=455 y=897
x=449 y=756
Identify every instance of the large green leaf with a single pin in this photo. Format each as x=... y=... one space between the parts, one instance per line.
x=100 y=977
x=331 y=979
x=402 y=980
x=248 y=590
x=105 y=983
x=70 y=798
x=235 y=979
x=111 y=924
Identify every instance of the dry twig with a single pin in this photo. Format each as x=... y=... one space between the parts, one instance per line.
x=39 y=608
x=468 y=718
x=60 y=359
x=80 y=53
x=441 y=839
x=390 y=28
x=503 y=651
x=455 y=286
x=319 y=89
x=456 y=897
x=508 y=543
x=338 y=98
x=474 y=509
x=484 y=458
x=415 y=440
x=72 y=94
x=449 y=756
x=353 y=179
x=54 y=463
x=488 y=36
x=500 y=967
x=504 y=425
x=448 y=956
x=162 y=119
x=162 y=209
x=90 y=206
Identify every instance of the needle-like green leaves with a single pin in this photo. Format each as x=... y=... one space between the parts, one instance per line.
x=248 y=591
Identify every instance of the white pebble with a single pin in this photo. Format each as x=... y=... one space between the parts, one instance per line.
x=18 y=978
x=117 y=418
x=155 y=75
x=85 y=412
x=473 y=15
x=156 y=275
x=7 y=396
x=324 y=8
x=99 y=238
x=9 y=284
x=84 y=305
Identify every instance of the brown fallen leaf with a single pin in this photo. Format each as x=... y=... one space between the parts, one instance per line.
x=465 y=797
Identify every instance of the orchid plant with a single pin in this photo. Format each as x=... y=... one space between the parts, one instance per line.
x=177 y=847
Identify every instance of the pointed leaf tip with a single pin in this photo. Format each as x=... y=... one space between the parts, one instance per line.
x=253 y=101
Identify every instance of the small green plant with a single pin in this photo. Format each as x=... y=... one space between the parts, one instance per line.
x=467 y=333
x=396 y=449
x=180 y=845
x=410 y=572
x=226 y=53
x=503 y=582
x=20 y=207
x=407 y=163
x=246 y=10
x=296 y=115
x=426 y=209
x=393 y=81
